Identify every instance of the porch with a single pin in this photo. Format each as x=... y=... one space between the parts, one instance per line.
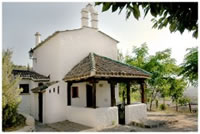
x=94 y=69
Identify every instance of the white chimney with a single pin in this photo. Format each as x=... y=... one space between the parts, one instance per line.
x=84 y=18
x=37 y=38
x=94 y=20
x=94 y=16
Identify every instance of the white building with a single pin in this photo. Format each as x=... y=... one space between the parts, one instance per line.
x=75 y=76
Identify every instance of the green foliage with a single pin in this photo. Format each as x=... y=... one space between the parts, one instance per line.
x=162 y=67
x=140 y=56
x=164 y=72
x=163 y=107
x=10 y=93
x=189 y=68
x=20 y=67
x=183 y=101
x=178 y=15
x=177 y=88
x=136 y=96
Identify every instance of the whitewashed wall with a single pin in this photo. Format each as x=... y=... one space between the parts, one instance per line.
x=27 y=103
x=81 y=100
x=60 y=53
x=99 y=117
x=54 y=104
x=102 y=94
x=135 y=112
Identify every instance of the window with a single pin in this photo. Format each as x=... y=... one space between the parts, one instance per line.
x=58 y=89
x=54 y=90
x=25 y=88
x=74 y=92
x=49 y=90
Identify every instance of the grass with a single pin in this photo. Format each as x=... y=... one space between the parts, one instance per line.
x=19 y=124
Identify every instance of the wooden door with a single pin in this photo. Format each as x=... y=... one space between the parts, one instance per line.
x=40 y=110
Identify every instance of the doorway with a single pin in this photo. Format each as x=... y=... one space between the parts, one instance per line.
x=40 y=106
x=121 y=113
x=89 y=95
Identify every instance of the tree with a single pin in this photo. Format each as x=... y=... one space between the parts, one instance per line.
x=179 y=15
x=189 y=68
x=176 y=90
x=162 y=67
x=10 y=93
x=139 y=57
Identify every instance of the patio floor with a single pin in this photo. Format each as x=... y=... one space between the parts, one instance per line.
x=64 y=126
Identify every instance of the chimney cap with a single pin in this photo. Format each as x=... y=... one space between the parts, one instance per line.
x=37 y=34
x=84 y=10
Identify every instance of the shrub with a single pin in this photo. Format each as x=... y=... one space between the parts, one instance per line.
x=163 y=107
x=10 y=91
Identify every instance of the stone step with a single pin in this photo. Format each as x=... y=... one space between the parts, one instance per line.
x=149 y=123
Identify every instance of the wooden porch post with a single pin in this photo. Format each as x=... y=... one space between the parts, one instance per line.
x=128 y=93
x=93 y=82
x=142 y=85
x=69 y=84
x=94 y=94
x=112 y=92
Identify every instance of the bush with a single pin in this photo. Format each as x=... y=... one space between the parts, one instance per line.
x=20 y=122
x=9 y=116
x=10 y=92
x=163 y=107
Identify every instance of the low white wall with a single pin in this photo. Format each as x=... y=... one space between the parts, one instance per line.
x=135 y=112
x=99 y=117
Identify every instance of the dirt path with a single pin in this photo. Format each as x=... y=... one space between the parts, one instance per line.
x=176 y=123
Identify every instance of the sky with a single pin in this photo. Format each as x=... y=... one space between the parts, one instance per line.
x=22 y=20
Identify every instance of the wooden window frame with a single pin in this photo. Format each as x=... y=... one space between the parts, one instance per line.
x=73 y=92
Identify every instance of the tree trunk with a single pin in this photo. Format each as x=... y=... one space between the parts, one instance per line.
x=164 y=101
x=176 y=106
x=190 y=108
x=151 y=104
x=157 y=103
x=153 y=96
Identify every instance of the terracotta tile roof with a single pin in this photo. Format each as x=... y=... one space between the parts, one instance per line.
x=98 y=66
x=43 y=87
x=27 y=74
